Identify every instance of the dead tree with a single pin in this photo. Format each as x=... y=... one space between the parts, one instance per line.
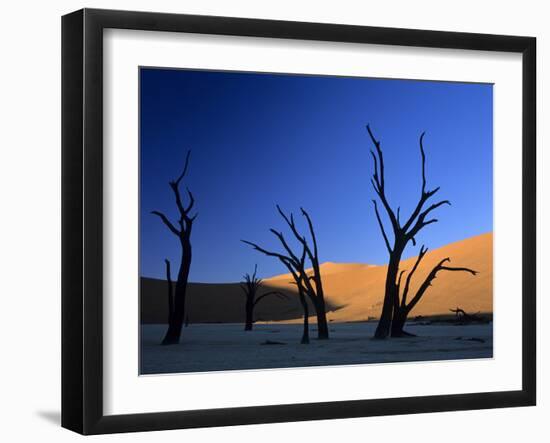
x=183 y=233
x=310 y=285
x=250 y=286
x=395 y=308
x=462 y=316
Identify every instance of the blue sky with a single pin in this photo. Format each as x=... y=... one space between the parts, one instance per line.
x=262 y=139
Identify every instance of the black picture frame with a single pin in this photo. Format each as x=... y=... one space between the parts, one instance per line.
x=82 y=215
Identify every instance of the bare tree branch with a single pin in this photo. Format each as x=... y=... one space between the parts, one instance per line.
x=431 y=276
x=319 y=293
x=267 y=294
x=399 y=278
x=298 y=265
x=378 y=181
x=423 y=215
x=167 y=222
x=269 y=253
x=177 y=182
x=396 y=298
x=295 y=267
x=191 y=201
x=423 y=155
x=177 y=195
x=185 y=221
x=421 y=223
x=312 y=234
x=375 y=161
x=290 y=222
x=245 y=288
x=424 y=195
x=448 y=268
x=388 y=247
x=281 y=238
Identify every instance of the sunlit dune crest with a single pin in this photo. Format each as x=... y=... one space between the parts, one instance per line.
x=327 y=268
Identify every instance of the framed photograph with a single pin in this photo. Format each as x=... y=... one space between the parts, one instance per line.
x=269 y=221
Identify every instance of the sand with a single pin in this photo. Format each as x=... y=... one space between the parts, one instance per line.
x=358 y=290
x=354 y=292
x=221 y=347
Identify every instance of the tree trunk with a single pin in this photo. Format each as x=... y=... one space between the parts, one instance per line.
x=176 y=322
x=398 y=323
x=384 y=324
x=322 y=326
x=170 y=291
x=305 y=334
x=249 y=315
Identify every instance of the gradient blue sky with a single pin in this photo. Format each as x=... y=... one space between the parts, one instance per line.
x=262 y=139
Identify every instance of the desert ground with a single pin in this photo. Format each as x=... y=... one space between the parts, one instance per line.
x=214 y=339
x=350 y=343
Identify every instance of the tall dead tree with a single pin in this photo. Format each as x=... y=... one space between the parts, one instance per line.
x=310 y=285
x=251 y=286
x=395 y=308
x=183 y=233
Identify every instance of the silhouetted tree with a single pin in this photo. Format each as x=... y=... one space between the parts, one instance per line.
x=250 y=287
x=462 y=316
x=395 y=308
x=310 y=285
x=183 y=233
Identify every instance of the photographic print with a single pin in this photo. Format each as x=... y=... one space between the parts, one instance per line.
x=292 y=220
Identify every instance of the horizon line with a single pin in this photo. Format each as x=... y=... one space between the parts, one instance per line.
x=324 y=263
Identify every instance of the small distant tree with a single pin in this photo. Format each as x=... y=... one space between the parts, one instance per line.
x=462 y=316
x=395 y=307
x=251 y=286
x=309 y=284
x=183 y=233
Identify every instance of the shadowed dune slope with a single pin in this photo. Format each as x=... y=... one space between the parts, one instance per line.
x=353 y=291
x=217 y=303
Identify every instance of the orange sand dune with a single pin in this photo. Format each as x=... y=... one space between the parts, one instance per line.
x=359 y=289
x=353 y=291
